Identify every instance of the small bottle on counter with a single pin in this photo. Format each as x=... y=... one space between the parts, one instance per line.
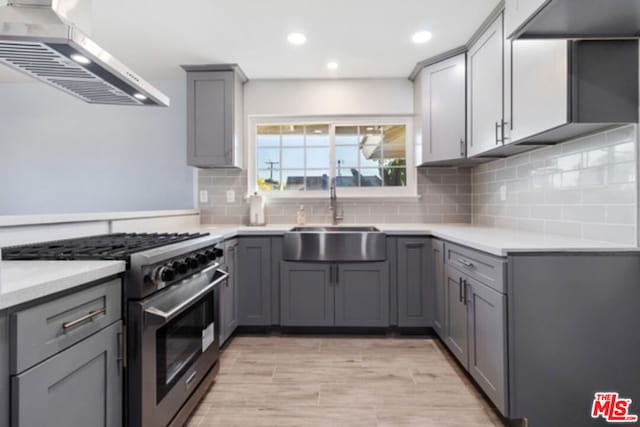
x=302 y=216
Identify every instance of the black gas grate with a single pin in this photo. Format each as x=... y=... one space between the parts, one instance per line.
x=117 y=246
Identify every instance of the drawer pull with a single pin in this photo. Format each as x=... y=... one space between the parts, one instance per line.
x=83 y=319
x=465 y=262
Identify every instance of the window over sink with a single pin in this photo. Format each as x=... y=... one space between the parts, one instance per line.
x=296 y=158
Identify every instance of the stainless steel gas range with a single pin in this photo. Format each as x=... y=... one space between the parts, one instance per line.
x=171 y=315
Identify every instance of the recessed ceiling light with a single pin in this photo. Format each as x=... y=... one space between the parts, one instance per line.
x=139 y=96
x=421 y=37
x=297 y=39
x=80 y=59
x=369 y=128
x=332 y=65
x=317 y=131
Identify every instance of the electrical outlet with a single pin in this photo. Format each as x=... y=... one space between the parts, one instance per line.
x=204 y=196
x=231 y=196
x=503 y=192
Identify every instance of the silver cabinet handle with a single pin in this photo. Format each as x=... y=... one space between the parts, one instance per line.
x=465 y=262
x=191 y=377
x=462 y=150
x=497 y=138
x=503 y=125
x=460 y=289
x=83 y=319
x=464 y=294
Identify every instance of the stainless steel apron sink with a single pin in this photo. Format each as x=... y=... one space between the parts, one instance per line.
x=335 y=243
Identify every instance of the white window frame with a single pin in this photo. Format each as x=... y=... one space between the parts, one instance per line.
x=408 y=191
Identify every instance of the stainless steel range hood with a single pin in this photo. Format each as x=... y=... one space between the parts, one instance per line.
x=37 y=38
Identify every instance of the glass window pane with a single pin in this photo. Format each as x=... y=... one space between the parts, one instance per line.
x=317 y=180
x=317 y=158
x=293 y=158
x=293 y=135
x=268 y=158
x=347 y=179
x=370 y=130
x=347 y=156
x=318 y=135
x=395 y=177
x=394 y=142
x=347 y=135
x=293 y=180
x=268 y=136
x=365 y=162
x=269 y=180
x=370 y=177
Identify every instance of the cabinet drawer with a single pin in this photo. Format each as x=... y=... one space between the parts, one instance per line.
x=41 y=331
x=485 y=268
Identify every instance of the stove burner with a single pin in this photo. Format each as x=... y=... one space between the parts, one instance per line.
x=117 y=246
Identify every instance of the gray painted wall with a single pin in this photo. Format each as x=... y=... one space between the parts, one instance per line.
x=61 y=155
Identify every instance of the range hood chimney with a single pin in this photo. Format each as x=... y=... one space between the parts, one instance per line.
x=38 y=39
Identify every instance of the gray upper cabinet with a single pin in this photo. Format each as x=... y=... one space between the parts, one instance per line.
x=306 y=294
x=229 y=293
x=440 y=108
x=82 y=386
x=572 y=19
x=562 y=89
x=485 y=91
x=254 y=281
x=439 y=288
x=362 y=294
x=414 y=282
x=487 y=340
x=215 y=116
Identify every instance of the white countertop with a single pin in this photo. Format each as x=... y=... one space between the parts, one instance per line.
x=23 y=281
x=495 y=241
x=20 y=220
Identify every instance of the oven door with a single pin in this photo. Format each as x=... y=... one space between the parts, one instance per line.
x=173 y=339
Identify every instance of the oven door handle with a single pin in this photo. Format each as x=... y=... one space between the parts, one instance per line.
x=155 y=316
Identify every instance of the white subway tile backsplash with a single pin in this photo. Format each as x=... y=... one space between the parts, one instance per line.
x=586 y=188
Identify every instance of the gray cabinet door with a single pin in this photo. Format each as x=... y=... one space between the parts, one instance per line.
x=229 y=294
x=210 y=118
x=414 y=283
x=82 y=386
x=444 y=110
x=487 y=340
x=439 y=288
x=306 y=294
x=457 y=325
x=362 y=294
x=254 y=281
x=485 y=91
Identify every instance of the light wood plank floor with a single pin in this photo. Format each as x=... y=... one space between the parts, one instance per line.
x=346 y=381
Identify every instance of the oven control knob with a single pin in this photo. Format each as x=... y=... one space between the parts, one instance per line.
x=202 y=259
x=164 y=274
x=218 y=252
x=211 y=256
x=180 y=267
x=192 y=262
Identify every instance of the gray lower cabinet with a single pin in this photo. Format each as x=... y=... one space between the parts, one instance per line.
x=345 y=294
x=439 y=288
x=362 y=294
x=4 y=370
x=476 y=333
x=306 y=294
x=457 y=325
x=82 y=386
x=254 y=281
x=414 y=282
x=229 y=293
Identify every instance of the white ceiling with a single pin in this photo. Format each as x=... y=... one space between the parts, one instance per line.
x=368 y=38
